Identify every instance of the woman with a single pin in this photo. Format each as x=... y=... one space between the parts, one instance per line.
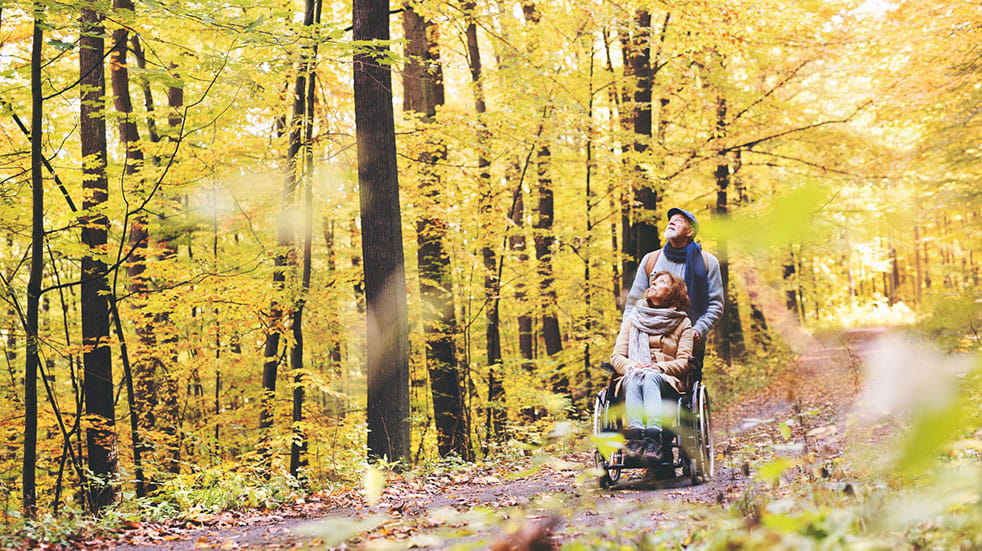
x=652 y=354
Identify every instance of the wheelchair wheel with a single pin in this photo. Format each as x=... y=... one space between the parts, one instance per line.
x=602 y=423
x=704 y=462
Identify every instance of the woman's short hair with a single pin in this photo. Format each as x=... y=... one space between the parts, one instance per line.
x=678 y=294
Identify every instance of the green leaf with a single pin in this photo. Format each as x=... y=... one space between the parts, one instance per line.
x=61 y=45
x=790 y=218
x=772 y=471
x=785 y=428
x=608 y=442
x=932 y=429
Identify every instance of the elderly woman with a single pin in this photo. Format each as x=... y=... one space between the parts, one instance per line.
x=651 y=355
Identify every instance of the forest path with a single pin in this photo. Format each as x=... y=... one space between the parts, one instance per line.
x=546 y=501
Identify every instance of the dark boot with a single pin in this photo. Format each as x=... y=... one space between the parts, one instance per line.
x=665 y=470
x=633 y=447
x=666 y=447
x=652 y=446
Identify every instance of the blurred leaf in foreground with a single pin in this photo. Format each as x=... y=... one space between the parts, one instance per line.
x=790 y=218
x=374 y=484
x=335 y=531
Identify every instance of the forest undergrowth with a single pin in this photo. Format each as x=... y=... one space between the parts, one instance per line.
x=833 y=453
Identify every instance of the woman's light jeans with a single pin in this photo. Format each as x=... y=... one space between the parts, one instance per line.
x=644 y=390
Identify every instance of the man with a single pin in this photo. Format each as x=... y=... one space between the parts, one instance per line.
x=685 y=258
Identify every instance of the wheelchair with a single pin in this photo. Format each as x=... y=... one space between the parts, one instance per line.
x=691 y=436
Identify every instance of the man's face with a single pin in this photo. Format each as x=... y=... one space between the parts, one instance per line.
x=678 y=226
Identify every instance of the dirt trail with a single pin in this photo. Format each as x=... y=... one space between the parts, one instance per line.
x=560 y=498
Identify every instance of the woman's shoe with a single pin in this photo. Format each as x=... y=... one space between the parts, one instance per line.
x=635 y=448
x=652 y=450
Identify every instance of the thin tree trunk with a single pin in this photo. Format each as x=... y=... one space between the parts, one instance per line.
x=730 y=331
x=169 y=416
x=544 y=245
x=582 y=397
x=640 y=227
x=300 y=146
x=492 y=279
x=614 y=96
x=543 y=237
x=144 y=400
x=97 y=358
x=790 y=285
x=424 y=94
x=384 y=263
x=335 y=343
x=32 y=361
x=283 y=262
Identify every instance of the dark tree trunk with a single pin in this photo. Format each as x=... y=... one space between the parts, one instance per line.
x=168 y=417
x=32 y=362
x=384 y=263
x=97 y=358
x=544 y=245
x=424 y=94
x=641 y=222
x=337 y=404
x=144 y=404
x=543 y=236
x=791 y=286
x=581 y=397
x=616 y=98
x=517 y=245
x=285 y=260
x=730 y=330
x=301 y=140
x=492 y=268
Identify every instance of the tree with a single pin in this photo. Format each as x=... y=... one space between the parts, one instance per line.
x=384 y=263
x=424 y=94
x=301 y=141
x=544 y=236
x=32 y=358
x=730 y=331
x=97 y=358
x=144 y=397
x=640 y=219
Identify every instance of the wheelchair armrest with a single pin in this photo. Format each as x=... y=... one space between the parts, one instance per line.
x=607 y=367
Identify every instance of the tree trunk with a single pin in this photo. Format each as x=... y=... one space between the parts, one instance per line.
x=169 y=416
x=338 y=402
x=97 y=358
x=616 y=98
x=143 y=372
x=544 y=238
x=32 y=361
x=301 y=138
x=384 y=263
x=730 y=330
x=424 y=94
x=544 y=245
x=517 y=245
x=492 y=273
x=581 y=397
x=640 y=225
x=285 y=261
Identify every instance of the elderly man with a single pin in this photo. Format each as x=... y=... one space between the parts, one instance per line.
x=685 y=258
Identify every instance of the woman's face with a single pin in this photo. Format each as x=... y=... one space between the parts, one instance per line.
x=659 y=289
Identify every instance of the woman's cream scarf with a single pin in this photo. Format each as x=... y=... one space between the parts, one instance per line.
x=648 y=321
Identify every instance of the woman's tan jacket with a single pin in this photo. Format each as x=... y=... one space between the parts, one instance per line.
x=669 y=353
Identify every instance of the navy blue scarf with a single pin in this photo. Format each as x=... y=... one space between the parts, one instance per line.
x=695 y=276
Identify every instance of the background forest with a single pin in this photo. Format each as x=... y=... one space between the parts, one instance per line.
x=184 y=300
